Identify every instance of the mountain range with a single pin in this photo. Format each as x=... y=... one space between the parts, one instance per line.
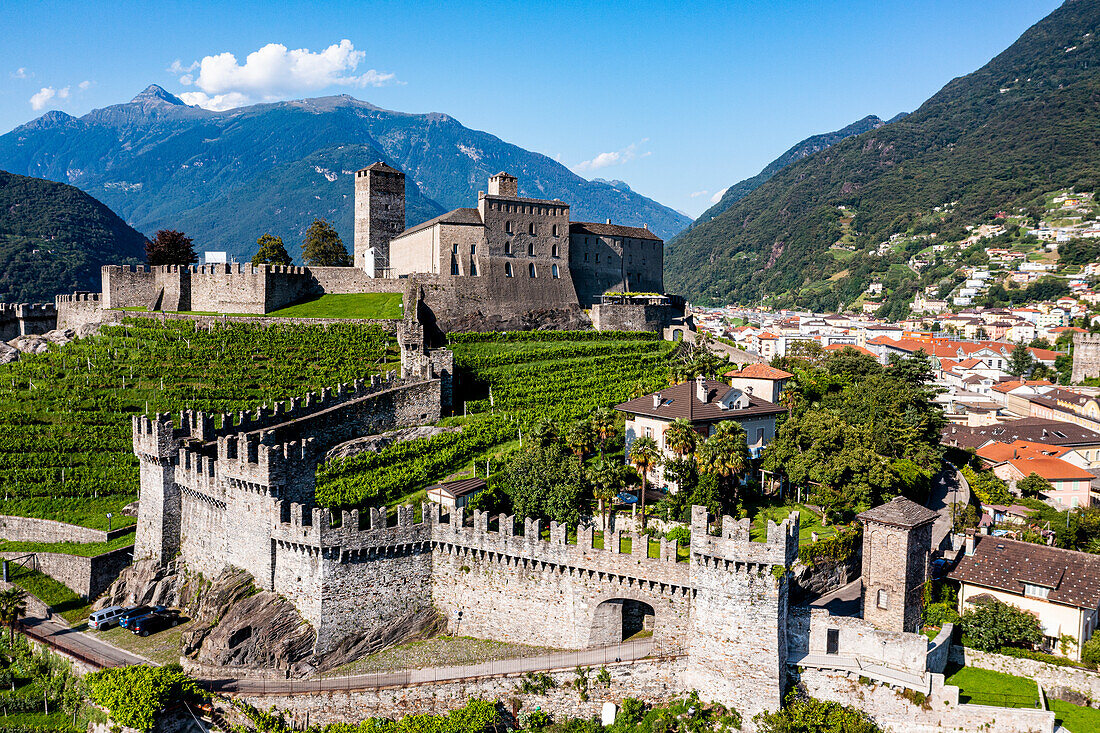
x=1023 y=124
x=54 y=238
x=227 y=177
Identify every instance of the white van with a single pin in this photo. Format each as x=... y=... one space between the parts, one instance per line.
x=105 y=618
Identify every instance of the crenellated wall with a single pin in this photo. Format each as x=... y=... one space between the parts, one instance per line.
x=23 y=319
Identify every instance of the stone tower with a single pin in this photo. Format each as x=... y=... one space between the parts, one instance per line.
x=897 y=540
x=503 y=184
x=1086 y=356
x=379 y=216
x=158 y=523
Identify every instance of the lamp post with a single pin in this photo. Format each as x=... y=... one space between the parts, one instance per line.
x=109 y=515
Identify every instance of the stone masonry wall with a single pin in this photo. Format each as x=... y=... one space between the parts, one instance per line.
x=653 y=681
x=1086 y=356
x=88 y=576
x=29 y=529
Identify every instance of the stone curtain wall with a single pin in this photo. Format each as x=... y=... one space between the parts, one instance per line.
x=79 y=309
x=1049 y=676
x=493 y=302
x=21 y=319
x=632 y=317
x=88 y=576
x=28 y=529
x=944 y=713
x=520 y=588
x=859 y=640
x=654 y=681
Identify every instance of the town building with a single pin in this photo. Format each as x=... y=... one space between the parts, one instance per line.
x=1061 y=587
x=455 y=494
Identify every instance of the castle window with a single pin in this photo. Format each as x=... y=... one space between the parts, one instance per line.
x=554 y=251
x=530 y=249
x=507 y=269
x=586 y=257
x=531 y=228
x=508 y=226
x=473 y=267
x=554 y=271
x=531 y=269
x=454 y=248
x=832 y=641
x=597 y=257
x=883 y=599
x=508 y=247
x=554 y=229
x=473 y=249
x=454 y=267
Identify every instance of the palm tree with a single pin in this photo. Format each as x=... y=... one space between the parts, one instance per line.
x=603 y=422
x=13 y=607
x=644 y=456
x=544 y=433
x=725 y=454
x=680 y=437
x=581 y=439
x=607 y=481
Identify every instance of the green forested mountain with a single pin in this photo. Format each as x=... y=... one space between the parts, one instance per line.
x=1023 y=124
x=804 y=149
x=227 y=177
x=54 y=238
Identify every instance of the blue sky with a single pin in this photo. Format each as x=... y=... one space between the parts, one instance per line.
x=679 y=100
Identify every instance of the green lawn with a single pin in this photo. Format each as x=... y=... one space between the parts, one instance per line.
x=1075 y=718
x=808 y=521
x=85 y=511
x=163 y=647
x=437 y=651
x=60 y=597
x=353 y=305
x=81 y=549
x=985 y=687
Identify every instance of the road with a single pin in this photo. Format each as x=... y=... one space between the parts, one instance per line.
x=949 y=487
x=86 y=648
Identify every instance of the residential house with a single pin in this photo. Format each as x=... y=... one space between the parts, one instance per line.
x=761 y=380
x=1013 y=462
x=1061 y=587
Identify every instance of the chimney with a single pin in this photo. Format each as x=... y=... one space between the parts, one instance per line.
x=656 y=400
x=701 y=388
x=646 y=227
x=609 y=220
x=970 y=545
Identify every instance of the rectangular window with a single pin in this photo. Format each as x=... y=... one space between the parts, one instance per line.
x=1036 y=591
x=883 y=599
x=473 y=249
x=454 y=248
x=760 y=435
x=832 y=641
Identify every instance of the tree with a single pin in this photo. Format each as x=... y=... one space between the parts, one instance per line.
x=270 y=251
x=1020 y=361
x=1090 y=652
x=13 y=606
x=581 y=439
x=990 y=624
x=808 y=715
x=680 y=437
x=544 y=433
x=608 y=480
x=645 y=456
x=725 y=454
x=1033 y=485
x=323 y=247
x=543 y=484
x=169 y=247
x=603 y=422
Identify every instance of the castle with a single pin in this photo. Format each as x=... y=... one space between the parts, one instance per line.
x=511 y=263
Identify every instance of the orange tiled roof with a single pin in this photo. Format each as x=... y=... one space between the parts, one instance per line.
x=760 y=371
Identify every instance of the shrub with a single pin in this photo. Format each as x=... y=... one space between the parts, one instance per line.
x=681 y=535
x=134 y=695
x=815 y=716
x=839 y=548
x=990 y=624
x=1090 y=652
x=938 y=614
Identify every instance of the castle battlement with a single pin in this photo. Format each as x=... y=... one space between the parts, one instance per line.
x=247 y=463
x=154 y=438
x=77 y=298
x=733 y=543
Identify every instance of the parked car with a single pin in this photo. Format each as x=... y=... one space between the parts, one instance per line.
x=105 y=618
x=154 y=622
x=135 y=612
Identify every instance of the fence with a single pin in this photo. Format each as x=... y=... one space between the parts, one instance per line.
x=625 y=652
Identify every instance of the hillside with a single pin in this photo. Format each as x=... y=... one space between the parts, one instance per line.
x=227 y=177
x=54 y=238
x=804 y=149
x=1021 y=125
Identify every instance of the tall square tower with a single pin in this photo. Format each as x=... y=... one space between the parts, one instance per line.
x=379 y=216
x=897 y=541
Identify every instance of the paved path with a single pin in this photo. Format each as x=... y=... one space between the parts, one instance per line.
x=596 y=657
x=84 y=647
x=948 y=487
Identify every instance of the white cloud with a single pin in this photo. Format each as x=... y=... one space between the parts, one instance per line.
x=48 y=97
x=718 y=196
x=616 y=157
x=697 y=194
x=21 y=73
x=273 y=72
x=85 y=85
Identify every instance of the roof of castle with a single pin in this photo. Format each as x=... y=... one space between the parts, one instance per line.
x=899 y=512
x=611 y=230
x=681 y=401
x=458 y=216
x=1003 y=564
x=380 y=166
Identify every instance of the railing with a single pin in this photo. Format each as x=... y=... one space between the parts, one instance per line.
x=625 y=652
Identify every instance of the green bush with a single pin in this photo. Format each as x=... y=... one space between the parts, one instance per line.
x=135 y=695
x=938 y=614
x=807 y=715
x=839 y=548
x=989 y=625
x=988 y=488
x=1090 y=652
x=681 y=535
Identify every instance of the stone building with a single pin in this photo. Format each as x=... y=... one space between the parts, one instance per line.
x=897 y=540
x=1086 y=356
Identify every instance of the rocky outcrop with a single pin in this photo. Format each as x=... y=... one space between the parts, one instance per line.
x=811 y=581
x=375 y=443
x=420 y=624
x=37 y=343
